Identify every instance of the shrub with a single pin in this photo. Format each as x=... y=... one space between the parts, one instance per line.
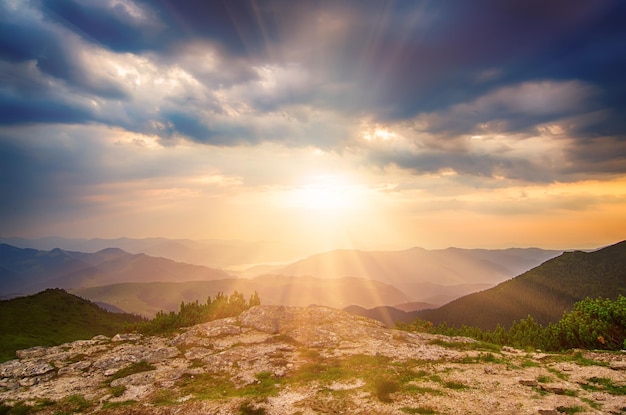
x=592 y=324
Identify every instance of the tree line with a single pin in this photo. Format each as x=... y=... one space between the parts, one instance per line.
x=193 y=313
x=592 y=324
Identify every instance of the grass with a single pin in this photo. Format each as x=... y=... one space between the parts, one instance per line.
x=570 y=409
x=424 y=410
x=73 y=404
x=247 y=408
x=114 y=405
x=53 y=317
x=141 y=366
x=605 y=385
x=544 y=379
x=118 y=390
x=474 y=345
x=384 y=389
x=162 y=397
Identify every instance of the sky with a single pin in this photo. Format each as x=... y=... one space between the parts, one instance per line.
x=369 y=124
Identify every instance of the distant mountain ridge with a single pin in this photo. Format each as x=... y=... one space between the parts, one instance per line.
x=149 y=298
x=211 y=253
x=30 y=270
x=434 y=276
x=544 y=292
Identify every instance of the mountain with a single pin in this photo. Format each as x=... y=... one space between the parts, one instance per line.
x=387 y=315
x=278 y=360
x=211 y=253
x=433 y=276
x=31 y=270
x=544 y=292
x=53 y=317
x=148 y=299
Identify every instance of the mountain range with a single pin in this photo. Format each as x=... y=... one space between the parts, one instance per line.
x=434 y=276
x=337 y=278
x=30 y=270
x=211 y=253
x=544 y=292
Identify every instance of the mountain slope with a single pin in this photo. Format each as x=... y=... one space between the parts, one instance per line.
x=31 y=270
x=544 y=292
x=147 y=299
x=423 y=274
x=53 y=317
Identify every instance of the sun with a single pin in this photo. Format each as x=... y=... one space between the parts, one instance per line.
x=329 y=193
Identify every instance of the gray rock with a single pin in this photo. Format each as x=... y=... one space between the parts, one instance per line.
x=618 y=365
x=161 y=354
x=35 y=368
x=126 y=337
x=33 y=352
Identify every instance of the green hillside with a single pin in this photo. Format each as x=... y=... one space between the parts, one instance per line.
x=53 y=317
x=544 y=292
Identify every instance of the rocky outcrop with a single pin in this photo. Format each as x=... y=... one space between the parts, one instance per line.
x=313 y=360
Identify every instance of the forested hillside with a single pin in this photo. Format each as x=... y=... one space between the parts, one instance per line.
x=544 y=292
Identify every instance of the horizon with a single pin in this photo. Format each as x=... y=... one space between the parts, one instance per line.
x=588 y=247
x=342 y=125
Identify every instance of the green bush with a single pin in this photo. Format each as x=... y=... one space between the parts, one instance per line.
x=592 y=324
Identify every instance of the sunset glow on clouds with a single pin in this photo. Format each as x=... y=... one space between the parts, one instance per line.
x=351 y=123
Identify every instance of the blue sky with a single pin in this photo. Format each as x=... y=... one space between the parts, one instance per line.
x=347 y=123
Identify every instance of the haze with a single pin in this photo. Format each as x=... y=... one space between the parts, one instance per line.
x=323 y=124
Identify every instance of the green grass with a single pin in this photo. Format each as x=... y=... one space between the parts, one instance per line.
x=53 y=317
x=544 y=379
x=474 y=345
x=384 y=389
x=247 y=408
x=118 y=390
x=141 y=366
x=114 y=405
x=424 y=410
x=163 y=397
x=604 y=384
x=570 y=409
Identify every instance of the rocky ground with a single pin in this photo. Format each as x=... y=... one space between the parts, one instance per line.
x=314 y=360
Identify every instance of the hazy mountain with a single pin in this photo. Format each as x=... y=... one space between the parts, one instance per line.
x=544 y=292
x=434 y=276
x=53 y=317
x=212 y=253
x=31 y=270
x=389 y=316
x=147 y=299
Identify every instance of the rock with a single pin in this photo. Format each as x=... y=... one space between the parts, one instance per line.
x=101 y=338
x=36 y=368
x=618 y=365
x=557 y=390
x=126 y=337
x=161 y=354
x=295 y=360
x=37 y=351
x=75 y=368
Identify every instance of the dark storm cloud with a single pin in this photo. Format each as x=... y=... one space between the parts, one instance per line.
x=461 y=67
x=115 y=26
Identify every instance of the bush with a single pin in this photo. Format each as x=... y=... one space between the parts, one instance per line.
x=592 y=324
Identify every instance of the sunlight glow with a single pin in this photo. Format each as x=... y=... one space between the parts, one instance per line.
x=379 y=134
x=325 y=192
